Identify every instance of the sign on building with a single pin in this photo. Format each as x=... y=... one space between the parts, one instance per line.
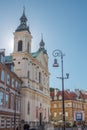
x=79 y=116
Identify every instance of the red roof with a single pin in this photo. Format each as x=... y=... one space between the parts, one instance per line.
x=52 y=94
x=69 y=95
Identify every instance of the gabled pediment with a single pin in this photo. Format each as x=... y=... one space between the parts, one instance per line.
x=43 y=59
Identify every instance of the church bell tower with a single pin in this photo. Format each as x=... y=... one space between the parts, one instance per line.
x=22 y=36
x=22 y=49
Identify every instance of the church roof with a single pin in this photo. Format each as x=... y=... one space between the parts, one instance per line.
x=41 y=49
x=8 y=59
x=35 y=54
x=23 y=25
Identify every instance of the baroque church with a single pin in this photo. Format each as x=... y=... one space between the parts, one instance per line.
x=32 y=69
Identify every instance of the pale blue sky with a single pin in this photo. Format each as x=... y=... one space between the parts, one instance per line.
x=64 y=26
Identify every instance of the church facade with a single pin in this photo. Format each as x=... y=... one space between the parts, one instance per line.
x=32 y=69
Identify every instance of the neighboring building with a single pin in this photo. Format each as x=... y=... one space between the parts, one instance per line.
x=9 y=95
x=32 y=68
x=75 y=106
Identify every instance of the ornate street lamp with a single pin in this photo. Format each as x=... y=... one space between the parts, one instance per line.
x=58 y=53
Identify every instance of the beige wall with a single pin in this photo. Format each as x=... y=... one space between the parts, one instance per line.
x=37 y=94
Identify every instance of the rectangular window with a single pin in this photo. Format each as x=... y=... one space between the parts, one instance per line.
x=60 y=113
x=55 y=105
x=3 y=75
x=28 y=108
x=69 y=104
x=12 y=102
x=66 y=114
x=1 y=98
x=16 y=84
x=8 y=79
x=6 y=100
x=55 y=114
x=5 y=122
x=13 y=82
x=20 y=45
x=60 y=105
x=39 y=77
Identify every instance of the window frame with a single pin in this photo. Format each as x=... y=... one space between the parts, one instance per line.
x=20 y=45
x=2 y=98
x=8 y=79
x=6 y=101
x=3 y=75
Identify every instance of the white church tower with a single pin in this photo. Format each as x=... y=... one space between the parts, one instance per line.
x=32 y=68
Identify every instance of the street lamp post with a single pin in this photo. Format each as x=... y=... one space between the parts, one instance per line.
x=58 y=53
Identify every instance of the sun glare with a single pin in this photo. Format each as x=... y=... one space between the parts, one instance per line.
x=10 y=45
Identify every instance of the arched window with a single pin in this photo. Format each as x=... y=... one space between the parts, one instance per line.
x=20 y=45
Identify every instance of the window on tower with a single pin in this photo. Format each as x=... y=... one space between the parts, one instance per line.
x=20 y=45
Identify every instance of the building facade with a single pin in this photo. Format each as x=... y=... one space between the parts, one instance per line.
x=32 y=68
x=10 y=100
x=75 y=105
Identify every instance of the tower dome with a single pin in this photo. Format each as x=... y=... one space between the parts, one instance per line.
x=23 y=25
